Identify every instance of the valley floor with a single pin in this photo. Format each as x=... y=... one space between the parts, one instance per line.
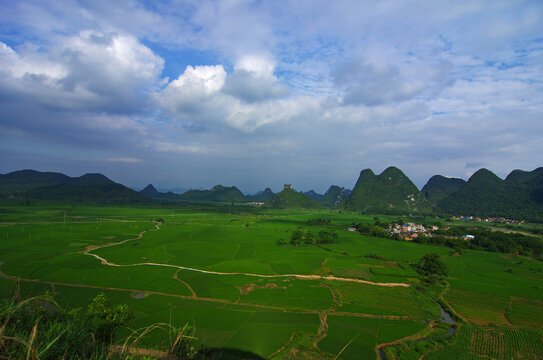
x=226 y=274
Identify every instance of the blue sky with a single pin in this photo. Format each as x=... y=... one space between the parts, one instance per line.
x=260 y=93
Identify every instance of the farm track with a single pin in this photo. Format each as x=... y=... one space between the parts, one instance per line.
x=186 y=284
x=323 y=328
x=194 y=297
x=214 y=300
x=211 y=272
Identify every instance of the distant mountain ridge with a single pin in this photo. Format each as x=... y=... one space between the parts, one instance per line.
x=439 y=187
x=217 y=193
x=90 y=187
x=312 y=194
x=334 y=196
x=18 y=182
x=520 y=195
x=261 y=196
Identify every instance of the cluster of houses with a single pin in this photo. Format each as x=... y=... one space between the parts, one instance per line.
x=410 y=231
x=500 y=220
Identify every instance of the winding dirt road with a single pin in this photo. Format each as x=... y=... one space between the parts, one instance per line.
x=211 y=272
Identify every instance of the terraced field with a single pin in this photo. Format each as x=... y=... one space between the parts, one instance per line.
x=225 y=274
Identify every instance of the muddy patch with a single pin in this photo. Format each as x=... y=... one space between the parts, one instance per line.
x=248 y=288
x=139 y=295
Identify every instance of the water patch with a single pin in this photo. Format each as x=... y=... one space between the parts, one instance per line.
x=445 y=316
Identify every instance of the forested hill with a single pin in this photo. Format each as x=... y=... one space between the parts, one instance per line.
x=217 y=193
x=439 y=187
x=261 y=196
x=390 y=192
x=32 y=184
x=519 y=196
x=291 y=199
x=334 y=196
x=18 y=182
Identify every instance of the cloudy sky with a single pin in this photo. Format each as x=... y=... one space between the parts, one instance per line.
x=260 y=93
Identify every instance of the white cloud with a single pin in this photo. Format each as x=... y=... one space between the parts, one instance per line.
x=92 y=70
x=200 y=79
x=244 y=100
x=259 y=65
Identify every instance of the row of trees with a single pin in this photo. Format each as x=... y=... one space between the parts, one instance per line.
x=492 y=241
x=303 y=236
x=487 y=240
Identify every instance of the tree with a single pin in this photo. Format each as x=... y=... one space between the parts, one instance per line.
x=431 y=268
x=106 y=318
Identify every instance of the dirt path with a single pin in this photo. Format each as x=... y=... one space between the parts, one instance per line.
x=372 y=316
x=210 y=272
x=184 y=283
x=442 y=297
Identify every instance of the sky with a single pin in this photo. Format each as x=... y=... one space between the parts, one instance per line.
x=191 y=94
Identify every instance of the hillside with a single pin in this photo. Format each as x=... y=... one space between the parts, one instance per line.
x=94 y=193
x=439 y=187
x=291 y=199
x=520 y=195
x=312 y=194
x=261 y=196
x=391 y=192
x=217 y=193
x=18 y=182
x=334 y=196
x=151 y=192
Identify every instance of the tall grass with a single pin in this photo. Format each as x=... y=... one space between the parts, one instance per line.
x=38 y=328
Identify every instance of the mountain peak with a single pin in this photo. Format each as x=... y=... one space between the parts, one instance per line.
x=389 y=192
x=367 y=173
x=149 y=189
x=392 y=172
x=92 y=179
x=484 y=175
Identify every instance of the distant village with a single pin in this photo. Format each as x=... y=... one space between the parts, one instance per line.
x=499 y=220
x=411 y=231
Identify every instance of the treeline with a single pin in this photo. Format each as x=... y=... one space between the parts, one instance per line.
x=487 y=240
x=318 y=221
x=303 y=236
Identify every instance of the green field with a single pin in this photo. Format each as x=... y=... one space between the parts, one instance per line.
x=222 y=271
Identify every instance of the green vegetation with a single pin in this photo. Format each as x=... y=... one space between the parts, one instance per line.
x=431 y=268
x=334 y=196
x=219 y=269
x=217 y=193
x=519 y=196
x=494 y=343
x=301 y=236
x=439 y=187
x=291 y=199
x=261 y=196
x=390 y=192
